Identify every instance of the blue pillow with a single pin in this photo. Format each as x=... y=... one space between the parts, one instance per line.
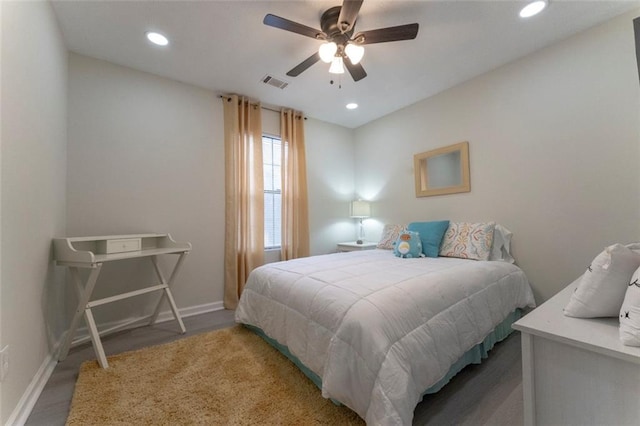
x=408 y=245
x=431 y=234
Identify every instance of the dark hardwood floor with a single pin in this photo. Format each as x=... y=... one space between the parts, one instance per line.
x=486 y=394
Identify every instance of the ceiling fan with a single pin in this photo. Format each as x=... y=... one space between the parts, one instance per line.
x=341 y=46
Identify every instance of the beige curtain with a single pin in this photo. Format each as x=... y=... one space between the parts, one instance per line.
x=295 y=211
x=244 y=195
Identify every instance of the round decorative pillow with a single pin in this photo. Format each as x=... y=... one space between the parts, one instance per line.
x=408 y=245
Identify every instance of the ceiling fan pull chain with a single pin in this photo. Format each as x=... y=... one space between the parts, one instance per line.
x=339 y=77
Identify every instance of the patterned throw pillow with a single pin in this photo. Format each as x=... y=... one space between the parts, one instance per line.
x=390 y=234
x=468 y=240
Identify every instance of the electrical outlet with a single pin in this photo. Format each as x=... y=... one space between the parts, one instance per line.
x=4 y=362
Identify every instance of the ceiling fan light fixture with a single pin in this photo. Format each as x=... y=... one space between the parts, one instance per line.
x=533 y=8
x=354 y=52
x=337 y=34
x=327 y=51
x=337 y=67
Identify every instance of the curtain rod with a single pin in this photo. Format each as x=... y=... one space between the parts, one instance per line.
x=256 y=105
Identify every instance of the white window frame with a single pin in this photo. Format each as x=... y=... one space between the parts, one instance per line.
x=271 y=227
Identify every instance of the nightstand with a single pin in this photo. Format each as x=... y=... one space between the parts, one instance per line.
x=353 y=246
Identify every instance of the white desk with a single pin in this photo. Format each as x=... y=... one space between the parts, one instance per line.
x=576 y=371
x=91 y=253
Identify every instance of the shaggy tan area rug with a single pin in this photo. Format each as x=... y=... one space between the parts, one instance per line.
x=224 y=377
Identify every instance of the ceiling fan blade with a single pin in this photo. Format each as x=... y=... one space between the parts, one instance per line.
x=383 y=35
x=294 y=27
x=356 y=71
x=302 y=66
x=348 y=14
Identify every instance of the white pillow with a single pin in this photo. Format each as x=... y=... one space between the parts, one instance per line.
x=602 y=287
x=630 y=312
x=501 y=248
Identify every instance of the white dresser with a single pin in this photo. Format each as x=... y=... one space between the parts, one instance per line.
x=577 y=371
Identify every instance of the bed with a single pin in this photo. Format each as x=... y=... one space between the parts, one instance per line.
x=375 y=331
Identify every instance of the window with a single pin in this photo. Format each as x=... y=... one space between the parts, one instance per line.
x=271 y=154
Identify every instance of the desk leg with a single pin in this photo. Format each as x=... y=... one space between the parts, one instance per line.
x=95 y=339
x=83 y=298
x=167 y=291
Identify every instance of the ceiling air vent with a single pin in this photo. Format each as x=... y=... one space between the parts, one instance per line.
x=272 y=81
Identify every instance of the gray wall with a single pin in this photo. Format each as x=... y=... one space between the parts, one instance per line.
x=330 y=176
x=34 y=137
x=146 y=154
x=554 y=143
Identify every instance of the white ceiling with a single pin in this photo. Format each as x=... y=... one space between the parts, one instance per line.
x=223 y=46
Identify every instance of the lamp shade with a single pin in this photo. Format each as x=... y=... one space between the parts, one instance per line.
x=360 y=209
x=327 y=51
x=354 y=52
x=336 y=66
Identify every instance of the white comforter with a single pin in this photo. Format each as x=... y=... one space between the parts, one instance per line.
x=380 y=330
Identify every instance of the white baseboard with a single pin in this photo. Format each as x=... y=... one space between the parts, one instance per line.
x=82 y=334
x=28 y=400
x=191 y=311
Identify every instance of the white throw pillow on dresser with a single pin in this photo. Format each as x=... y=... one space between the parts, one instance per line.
x=630 y=312
x=602 y=288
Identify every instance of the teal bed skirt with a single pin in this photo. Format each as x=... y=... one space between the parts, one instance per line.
x=474 y=355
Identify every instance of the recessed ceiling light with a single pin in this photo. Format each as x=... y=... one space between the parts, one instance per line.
x=533 y=8
x=352 y=105
x=157 y=38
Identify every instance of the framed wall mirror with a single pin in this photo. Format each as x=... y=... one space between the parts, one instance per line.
x=442 y=171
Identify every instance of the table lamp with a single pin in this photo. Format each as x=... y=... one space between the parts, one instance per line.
x=360 y=210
